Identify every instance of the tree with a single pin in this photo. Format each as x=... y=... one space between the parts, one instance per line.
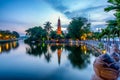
x=16 y=34
x=8 y=34
x=48 y=28
x=53 y=35
x=114 y=6
x=36 y=33
x=77 y=27
x=95 y=35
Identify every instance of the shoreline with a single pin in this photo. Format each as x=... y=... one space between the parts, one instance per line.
x=4 y=41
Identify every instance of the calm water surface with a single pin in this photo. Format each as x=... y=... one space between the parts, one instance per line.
x=46 y=62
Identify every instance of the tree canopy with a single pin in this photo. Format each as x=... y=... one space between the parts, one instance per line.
x=78 y=27
x=36 y=33
x=6 y=34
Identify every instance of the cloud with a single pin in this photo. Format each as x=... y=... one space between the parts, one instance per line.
x=57 y=5
x=83 y=12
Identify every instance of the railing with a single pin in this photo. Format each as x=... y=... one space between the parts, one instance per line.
x=107 y=44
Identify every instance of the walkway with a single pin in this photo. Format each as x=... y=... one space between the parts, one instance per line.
x=106 y=45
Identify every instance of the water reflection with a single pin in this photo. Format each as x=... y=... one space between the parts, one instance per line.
x=47 y=61
x=44 y=49
x=36 y=49
x=79 y=55
x=6 y=47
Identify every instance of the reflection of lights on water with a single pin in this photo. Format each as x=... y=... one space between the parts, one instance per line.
x=77 y=43
x=7 y=46
x=85 y=51
x=11 y=45
x=84 y=48
x=57 y=44
x=71 y=43
x=0 y=49
x=14 y=44
x=43 y=45
x=34 y=46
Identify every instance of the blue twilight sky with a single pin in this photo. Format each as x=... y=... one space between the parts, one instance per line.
x=20 y=15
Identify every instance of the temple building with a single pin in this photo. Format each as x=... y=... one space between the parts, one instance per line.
x=59 y=32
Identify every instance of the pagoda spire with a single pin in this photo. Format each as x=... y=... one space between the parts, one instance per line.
x=59 y=27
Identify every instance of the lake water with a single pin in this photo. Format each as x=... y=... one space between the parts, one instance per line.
x=46 y=62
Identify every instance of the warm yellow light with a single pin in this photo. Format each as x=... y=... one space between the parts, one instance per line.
x=85 y=51
x=90 y=34
x=11 y=44
x=103 y=51
x=0 y=49
x=83 y=37
x=7 y=46
x=7 y=36
x=14 y=44
x=57 y=44
x=0 y=35
x=77 y=43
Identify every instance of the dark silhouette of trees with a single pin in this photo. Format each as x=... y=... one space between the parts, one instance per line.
x=6 y=35
x=77 y=56
x=77 y=27
x=36 y=33
x=48 y=28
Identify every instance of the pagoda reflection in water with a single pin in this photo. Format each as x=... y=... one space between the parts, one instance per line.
x=79 y=56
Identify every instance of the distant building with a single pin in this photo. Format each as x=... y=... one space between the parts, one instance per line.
x=59 y=32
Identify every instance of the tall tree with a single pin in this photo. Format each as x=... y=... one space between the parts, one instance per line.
x=78 y=26
x=36 y=33
x=114 y=6
x=48 y=28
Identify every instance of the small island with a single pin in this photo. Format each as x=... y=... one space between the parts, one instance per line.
x=8 y=36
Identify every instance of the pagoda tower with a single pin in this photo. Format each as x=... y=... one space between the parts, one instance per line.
x=59 y=27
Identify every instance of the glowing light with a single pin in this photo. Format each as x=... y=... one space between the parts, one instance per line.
x=0 y=49
x=43 y=45
x=85 y=51
x=90 y=34
x=103 y=51
x=0 y=35
x=7 y=46
x=83 y=37
x=14 y=44
x=6 y=37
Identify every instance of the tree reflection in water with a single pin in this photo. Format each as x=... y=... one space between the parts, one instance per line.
x=36 y=49
x=6 y=47
x=79 y=56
